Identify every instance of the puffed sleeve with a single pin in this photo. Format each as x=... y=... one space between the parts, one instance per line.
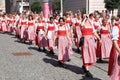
x=93 y=27
x=46 y=25
x=56 y=27
x=115 y=33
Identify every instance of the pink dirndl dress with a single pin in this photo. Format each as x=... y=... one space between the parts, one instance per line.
x=10 y=25
x=31 y=31
x=4 y=25
x=0 y=25
x=50 y=34
x=114 y=61
x=88 y=49
x=106 y=43
x=23 y=29
x=78 y=34
x=63 y=47
x=42 y=41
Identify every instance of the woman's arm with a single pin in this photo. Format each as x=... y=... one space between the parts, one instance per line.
x=116 y=46
x=97 y=36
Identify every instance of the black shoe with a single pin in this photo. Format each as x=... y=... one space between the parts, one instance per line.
x=84 y=69
x=88 y=74
x=39 y=49
x=62 y=64
x=68 y=60
x=100 y=60
x=44 y=50
x=78 y=50
x=51 y=52
x=30 y=43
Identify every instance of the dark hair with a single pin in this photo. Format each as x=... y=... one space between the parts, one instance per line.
x=61 y=18
x=104 y=19
x=30 y=16
x=90 y=15
x=51 y=18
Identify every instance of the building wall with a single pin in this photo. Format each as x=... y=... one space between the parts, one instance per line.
x=90 y=5
x=96 y=5
x=2 y=5
x=119 y=10
x=73 y=5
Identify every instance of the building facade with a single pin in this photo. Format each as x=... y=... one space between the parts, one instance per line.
x=2 y=6
x=88 y=5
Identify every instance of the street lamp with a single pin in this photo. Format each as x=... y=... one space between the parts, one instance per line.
x=61 y=13
x=21 y=10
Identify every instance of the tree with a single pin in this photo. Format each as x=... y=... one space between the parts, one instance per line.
x=56 y=4
x=112 y=4
x=36 y=7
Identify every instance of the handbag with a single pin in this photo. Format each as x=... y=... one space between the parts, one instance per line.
x=56 y=42
x=81 y=43
x=119 y=60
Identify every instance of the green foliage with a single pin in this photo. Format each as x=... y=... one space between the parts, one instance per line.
x=83 y=11
x=36 y=7
x=56 y=4
x=112 y=4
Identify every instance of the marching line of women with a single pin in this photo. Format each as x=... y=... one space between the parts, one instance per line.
x=92 y=34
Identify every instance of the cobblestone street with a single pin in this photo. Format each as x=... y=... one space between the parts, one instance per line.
x=36 y=65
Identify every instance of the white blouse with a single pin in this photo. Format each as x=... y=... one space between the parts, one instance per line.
x=115 y=33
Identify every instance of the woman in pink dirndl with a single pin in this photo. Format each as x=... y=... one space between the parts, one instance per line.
x=63 y=42
x=77 y=31
x=10 y=23
x=106 y=41
x=88 y=48
x=23 y=30
x=4 y=24
x=51 y=28
x=114 y=61
x=0 y=22
x=17 y=24
x=41 y=35
x=31 y=29
x=69 y=24
x=97 y=26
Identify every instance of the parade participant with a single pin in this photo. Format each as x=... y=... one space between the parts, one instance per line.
x=4 y=23
x=23 y=32
x=63 y=37
x=69 y=23
x=42 y=17
x=88 y=47
x=77 y=31
x=41 y=35
x=97 y=27
x=57 y=19
x=106 y=42
x=18 y=29
x=10 y=23
x=51 y=27
x=114 y=61
x=14 y=25
x=31 y=29
x=68 y=19
x=0 y=22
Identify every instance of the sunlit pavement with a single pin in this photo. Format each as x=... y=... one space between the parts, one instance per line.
x=19 y=61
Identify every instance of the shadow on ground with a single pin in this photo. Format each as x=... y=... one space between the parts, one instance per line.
x=19 y=41
x=46 y=52
x=86 y=78
x=72 y=68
